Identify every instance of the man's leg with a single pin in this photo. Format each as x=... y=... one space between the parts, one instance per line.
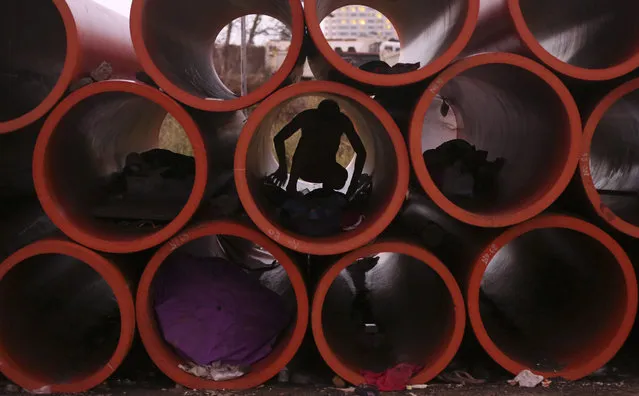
x=336 y=178
x=291 y=187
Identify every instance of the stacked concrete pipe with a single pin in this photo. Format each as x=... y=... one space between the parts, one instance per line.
x=432 y=33
x=608 y=158
x=555 y=295
x=47 y=45
x=415 y=300
x=585 y=40
x=512 y=108
x=387 y=163
x=67 y=317
x=286 y=280
x=101 y=124
x=174 y=42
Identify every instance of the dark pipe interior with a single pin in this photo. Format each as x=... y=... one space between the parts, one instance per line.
x=410 y=305
x=59 y=319
x=34 y=50
x=590 y=34
x=426 y=29
x=512 y=114
x=101 y=132
x=380 y=155
x=180 y=38
x=255 y=260
x=552 y=298
x=614 y=158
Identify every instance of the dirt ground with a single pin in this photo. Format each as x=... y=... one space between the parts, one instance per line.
x=581 y=388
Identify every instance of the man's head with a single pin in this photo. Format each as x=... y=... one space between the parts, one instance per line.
x=329 y=107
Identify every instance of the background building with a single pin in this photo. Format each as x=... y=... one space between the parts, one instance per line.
x=357 y=22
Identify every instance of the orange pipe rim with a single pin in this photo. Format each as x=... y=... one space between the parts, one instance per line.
x=497 y=219
x=529 y=40
x=552 y=221
x=584 y=163
x=427 y=373
x=334 y=244
x=313 y=26
x=69 y=69
x=163 y=356
x=47 y=195
x=118 y=284
x=242 y=102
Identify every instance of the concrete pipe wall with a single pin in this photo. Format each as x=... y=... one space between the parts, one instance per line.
x=610 y=152
x=386 y=162
x=250 y=247
x=67 y=317
x=583 y=39
x=16 y=156
x=88 y=137
x=413 y=297
x=175 y=44
x=514 y=109
x=555 y=295
x=431 y=32
x=46 y=45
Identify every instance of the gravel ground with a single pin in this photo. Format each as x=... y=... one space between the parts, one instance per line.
x=581 y=388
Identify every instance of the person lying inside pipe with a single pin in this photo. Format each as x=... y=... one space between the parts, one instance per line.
x=323 y=211
x=461 y=171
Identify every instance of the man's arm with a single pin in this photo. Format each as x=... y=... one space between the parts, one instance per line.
x=360 y=152
x=282 y=136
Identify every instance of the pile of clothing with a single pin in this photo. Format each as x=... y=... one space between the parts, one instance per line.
x=216 y=316
x=322 y=212
x=461 y=171
x=153 y=186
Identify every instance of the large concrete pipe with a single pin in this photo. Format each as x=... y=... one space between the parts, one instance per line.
x=516 y=111
x=16 y=156
x=87 y=139
x=555 y=295
x=583 y=39
x=175 y=43
x=609 y=155
x=46 y=45
x=386 y=162
x=251 y=250
x=415 y=306
x=432 y=33
x=67 y=318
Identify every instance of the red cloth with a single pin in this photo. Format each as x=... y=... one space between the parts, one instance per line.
x=393 y=379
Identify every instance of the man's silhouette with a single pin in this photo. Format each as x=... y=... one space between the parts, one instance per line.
x=314 y=160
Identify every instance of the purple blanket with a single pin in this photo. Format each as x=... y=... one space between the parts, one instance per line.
x=210 y=310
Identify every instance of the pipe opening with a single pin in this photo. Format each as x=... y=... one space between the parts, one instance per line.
x=60 y=319
x=381 y=166
x=386 y=309
x=614 y=158
x=31 y=65
x=587 y=34
x=116 y=186
x=425 y=30
x=247 y=316
x=553 y=299
x=520 y=129
x=361 y=34
x=190 y=45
